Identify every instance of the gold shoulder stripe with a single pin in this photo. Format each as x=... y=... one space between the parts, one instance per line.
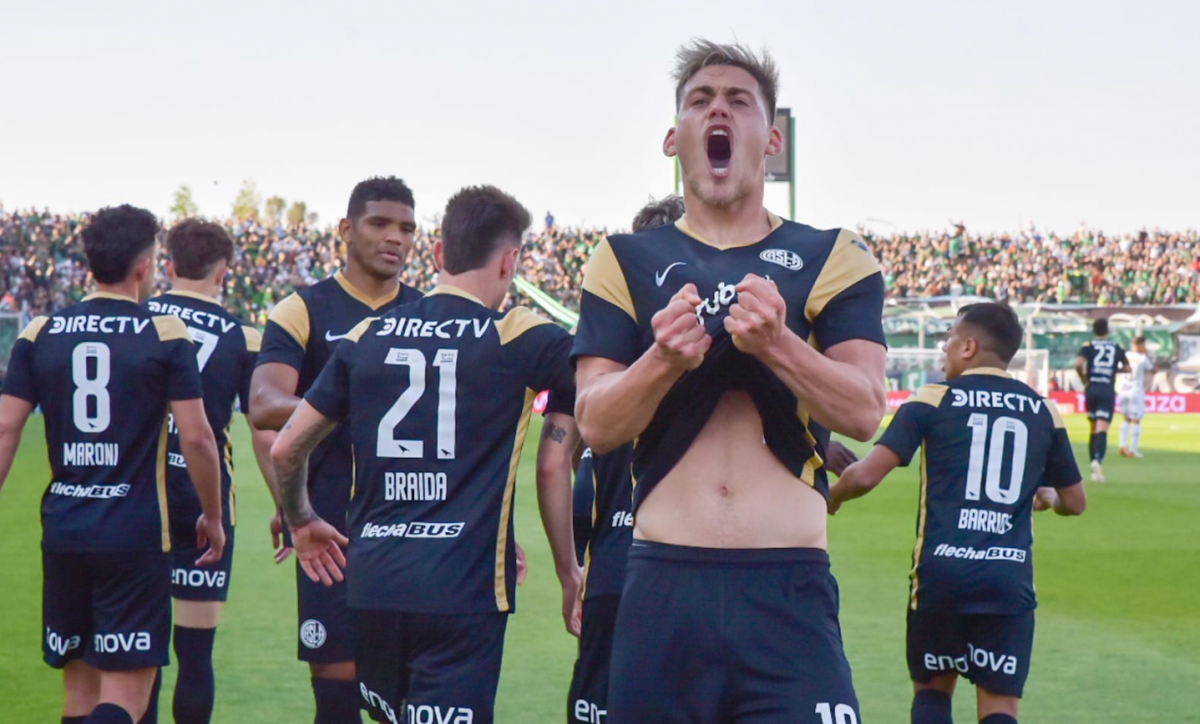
x=517 y=322
x=34 y=328
x=605 y=279
x=253 y=338
x=850 y=261
x=359 y=329
x=929 y=394
x=1054 y=413
x=292 y=315
x=170 y=328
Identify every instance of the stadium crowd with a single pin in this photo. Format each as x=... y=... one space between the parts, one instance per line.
x=42 y=266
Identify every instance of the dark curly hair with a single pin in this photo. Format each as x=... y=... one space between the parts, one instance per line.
x=478 y=220
x=115 y=238
x=378 y=188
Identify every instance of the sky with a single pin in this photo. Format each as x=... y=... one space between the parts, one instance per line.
x=909 y=114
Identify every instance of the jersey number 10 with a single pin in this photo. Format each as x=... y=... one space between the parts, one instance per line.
x=994 y=458
x=446 y=360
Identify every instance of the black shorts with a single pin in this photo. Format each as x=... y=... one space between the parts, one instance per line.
x=992 y=651
x=325 y=634
x=112 y=609
x=710 y=635
x=190 y=582
x=1099 y=401
x=440 y=667
x=587 y=699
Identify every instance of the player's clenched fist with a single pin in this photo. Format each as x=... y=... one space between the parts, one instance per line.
x=759 y=316
x=679 y=337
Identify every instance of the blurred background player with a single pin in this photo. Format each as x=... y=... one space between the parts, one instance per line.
x=1132 y=401
x=1098 y=363
x=105 y=373
x=685 y=345
x=199 y=256
x=302 y=334
x=438 y=396
x=971 y=599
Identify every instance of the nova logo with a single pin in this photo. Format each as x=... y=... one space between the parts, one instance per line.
x=114 y=643
x=980 y=658
x=426 y=714
x=197 y=578
x=60 y=645
x=784 y=258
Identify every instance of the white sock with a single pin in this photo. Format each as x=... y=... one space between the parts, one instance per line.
x=1137 y=436
x=1124 y=432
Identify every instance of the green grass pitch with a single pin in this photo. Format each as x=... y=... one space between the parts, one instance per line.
x=1118 y=628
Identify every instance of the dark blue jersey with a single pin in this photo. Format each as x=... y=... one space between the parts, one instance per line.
x=225 y=351
x=1102 y=358
x=584 y=505
x=303 y=331
x=437 y=396
x=988 y=442
x=834 y=293
x=611 y=524
x=104 y=372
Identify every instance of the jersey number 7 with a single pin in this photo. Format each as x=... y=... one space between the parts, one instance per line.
x=994 y=458
x=446 y=360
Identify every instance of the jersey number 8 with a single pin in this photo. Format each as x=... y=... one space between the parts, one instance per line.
x=91 y=388
x=446 y=360
x=996 y=491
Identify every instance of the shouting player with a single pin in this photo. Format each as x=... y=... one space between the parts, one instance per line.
x=713 y=342
x=200 y=253
x=303 y=331
x=1132 y=402
x=105 y=373
x=438 y=396
x=1098 y=363
x=988 y=442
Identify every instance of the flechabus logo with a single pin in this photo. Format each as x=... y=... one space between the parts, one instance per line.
x=995 y=553
x=412 y=530
x=784 y=258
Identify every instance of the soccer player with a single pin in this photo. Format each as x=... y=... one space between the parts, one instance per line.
x=200 y=253
x=105 y=373
x=303 y=331
x=1098 y=363
x=437 y=395
x=713 y=342
x=1132 y=402
x=988 y=442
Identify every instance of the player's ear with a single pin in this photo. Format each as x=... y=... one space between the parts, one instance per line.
x=438 y=251
x=344 y=227
x=774 y=142
x=169 y=269
x=970 y=348
x=669 y=143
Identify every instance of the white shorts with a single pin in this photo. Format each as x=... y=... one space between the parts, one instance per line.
x=1132 y=406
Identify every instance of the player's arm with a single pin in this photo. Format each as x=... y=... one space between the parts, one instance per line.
x=1081 y=368
x=1062 y=485
x=273 y=398
x=1064 y=501
x=556 y=500
x=14 y=412
x=199 y=448
x=1123 y=361
x=862 y=477
x=615 y=402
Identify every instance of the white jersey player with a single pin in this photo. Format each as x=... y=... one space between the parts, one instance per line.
x=1132 y=401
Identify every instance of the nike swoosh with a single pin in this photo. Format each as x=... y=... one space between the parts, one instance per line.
x=334 y=337
x=660 y=277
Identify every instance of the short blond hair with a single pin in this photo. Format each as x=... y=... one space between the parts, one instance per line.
x=700 y=53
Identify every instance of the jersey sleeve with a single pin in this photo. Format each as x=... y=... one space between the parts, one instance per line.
x=20 y=380
x=183 y=370
x=330 y=392
x=561 y=403
x=249 y=360
x=1122 y=358
x=911 y=423
x=542 y=352
x=286 y=337
x=846 y=301
x=1085 y=352
x=607 y=319
x=1061 y=469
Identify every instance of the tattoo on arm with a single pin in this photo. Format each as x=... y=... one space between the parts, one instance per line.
x=554 y=432
x=293 y=476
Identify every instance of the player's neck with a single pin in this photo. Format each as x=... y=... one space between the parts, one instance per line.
x=203 y=287
x=743 y=222
x=371 y=286
x=479 y=283
x=993 y=363
x=122 y=289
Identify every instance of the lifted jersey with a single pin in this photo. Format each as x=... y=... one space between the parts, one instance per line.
x=1102 y=358
x=437 y=396
x=988 y=442
x=303 y=331
x=834 y=293
x=611 y=481
x=225 y=351
x=104 y=372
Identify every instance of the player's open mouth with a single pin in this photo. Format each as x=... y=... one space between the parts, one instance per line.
x=719 y=145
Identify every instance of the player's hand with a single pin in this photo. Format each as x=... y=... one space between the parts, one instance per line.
x=1044 y=499
x=319 y=549
x=679 y=337
x=281 y=551
x=522 y=564
x=838 y=457
x=211 y=533
x=572 y=588
x=759 y=317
